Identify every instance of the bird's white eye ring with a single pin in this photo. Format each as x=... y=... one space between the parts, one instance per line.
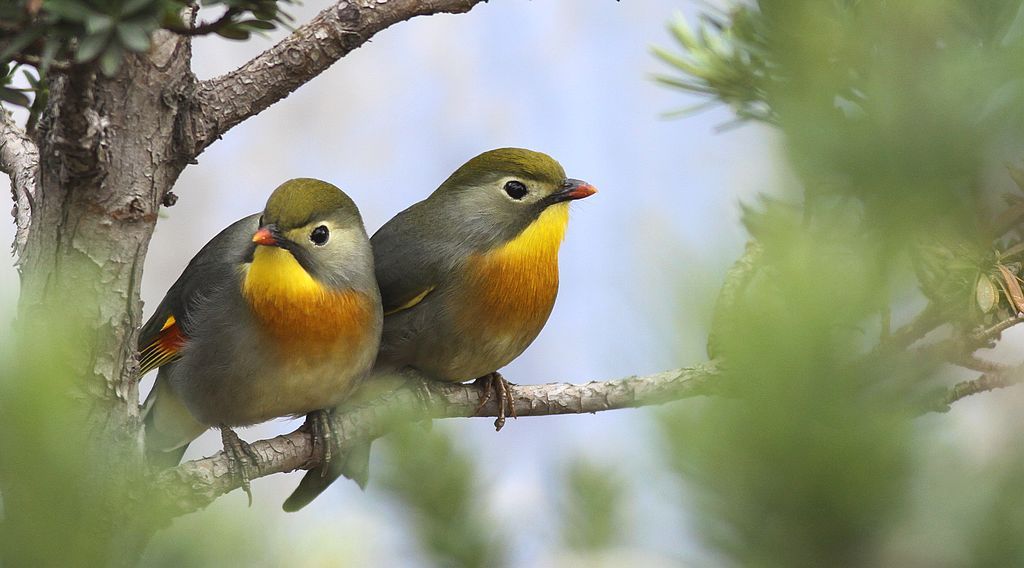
x=320 y=235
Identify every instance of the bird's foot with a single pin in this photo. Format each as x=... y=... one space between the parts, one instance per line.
x=241 y=456
x=494 y=383
x=421 y=388
x=318 y=424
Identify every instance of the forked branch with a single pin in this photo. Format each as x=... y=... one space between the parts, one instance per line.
x=222 y=103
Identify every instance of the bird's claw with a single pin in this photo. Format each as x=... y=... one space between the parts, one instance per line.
x=318 y=423
x=494 y=383
x=241 y=456
x=421 y=388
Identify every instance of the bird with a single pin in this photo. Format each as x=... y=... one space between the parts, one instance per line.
x=468 y=278
x=278 y=315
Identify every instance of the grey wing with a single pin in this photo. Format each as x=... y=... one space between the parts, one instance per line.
x=215 y=265
x=407 y=260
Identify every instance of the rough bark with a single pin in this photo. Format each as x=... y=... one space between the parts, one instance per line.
x=19 y=159
x=107 y=155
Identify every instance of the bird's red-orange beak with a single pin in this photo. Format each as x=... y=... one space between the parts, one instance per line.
x=265 y=236
x=575 y=189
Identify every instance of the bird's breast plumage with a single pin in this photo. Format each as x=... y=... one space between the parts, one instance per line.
x=511 y=289
x=304 y=318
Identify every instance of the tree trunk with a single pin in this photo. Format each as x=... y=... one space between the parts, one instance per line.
x=109 y=152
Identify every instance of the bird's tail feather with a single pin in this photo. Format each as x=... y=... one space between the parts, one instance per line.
x=355 y=463
x=169 y=427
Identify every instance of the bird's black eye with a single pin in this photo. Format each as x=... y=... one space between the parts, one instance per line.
x=319 y=236
x=515 y=189
x=260 y=222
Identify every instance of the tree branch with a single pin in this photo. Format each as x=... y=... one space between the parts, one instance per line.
x=196 y=484
x=988 y=335
x=988 y=382
x=222 y=103
x=905 y=336
x=19 y=159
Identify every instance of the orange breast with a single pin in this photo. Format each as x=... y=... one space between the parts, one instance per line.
x=512 y=289
x=315 y=324
x=303 y=317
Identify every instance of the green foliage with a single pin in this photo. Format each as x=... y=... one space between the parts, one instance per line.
x=52 y=475
x=224 y=536
x=101 y=32
x=592 y=500
x=9 y=93
x=722 y=58
x=803 y=469
x=899 y=119
x=890 y=114
x=440 y=486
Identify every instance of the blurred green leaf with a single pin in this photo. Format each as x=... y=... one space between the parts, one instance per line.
x=110 y=61
x=21 y=41
x=233 y=32
x=258 y=25
x=134 y=7
x=591 y=501
x=98 y=23
x=133 y=37
x=73 y=10
x=92 y=45
x=439 y=485
x=14 y=96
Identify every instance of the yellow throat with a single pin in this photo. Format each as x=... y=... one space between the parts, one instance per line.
x=300 y=312
x=540 y=240
x=513 y=287
x=274 y=273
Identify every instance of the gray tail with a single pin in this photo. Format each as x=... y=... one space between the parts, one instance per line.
x=156 y=457
x=354 y=465
x=167 y=441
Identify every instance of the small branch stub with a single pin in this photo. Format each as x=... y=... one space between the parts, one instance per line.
x=19 y=159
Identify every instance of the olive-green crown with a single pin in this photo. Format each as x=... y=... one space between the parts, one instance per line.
x=516 y=162
x=298 y=201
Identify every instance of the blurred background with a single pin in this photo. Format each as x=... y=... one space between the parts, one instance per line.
x=640 y=269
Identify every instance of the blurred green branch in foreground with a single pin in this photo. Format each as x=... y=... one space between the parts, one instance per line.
x=896 y=119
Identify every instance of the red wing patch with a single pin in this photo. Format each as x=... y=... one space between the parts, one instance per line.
x=164 y=348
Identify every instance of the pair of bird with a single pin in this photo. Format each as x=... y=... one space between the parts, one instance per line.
x=285 y=312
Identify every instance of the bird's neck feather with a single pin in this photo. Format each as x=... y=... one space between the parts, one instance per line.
x=274 y=272
x=296 y=308
x=540 y=239
x=514 y=286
